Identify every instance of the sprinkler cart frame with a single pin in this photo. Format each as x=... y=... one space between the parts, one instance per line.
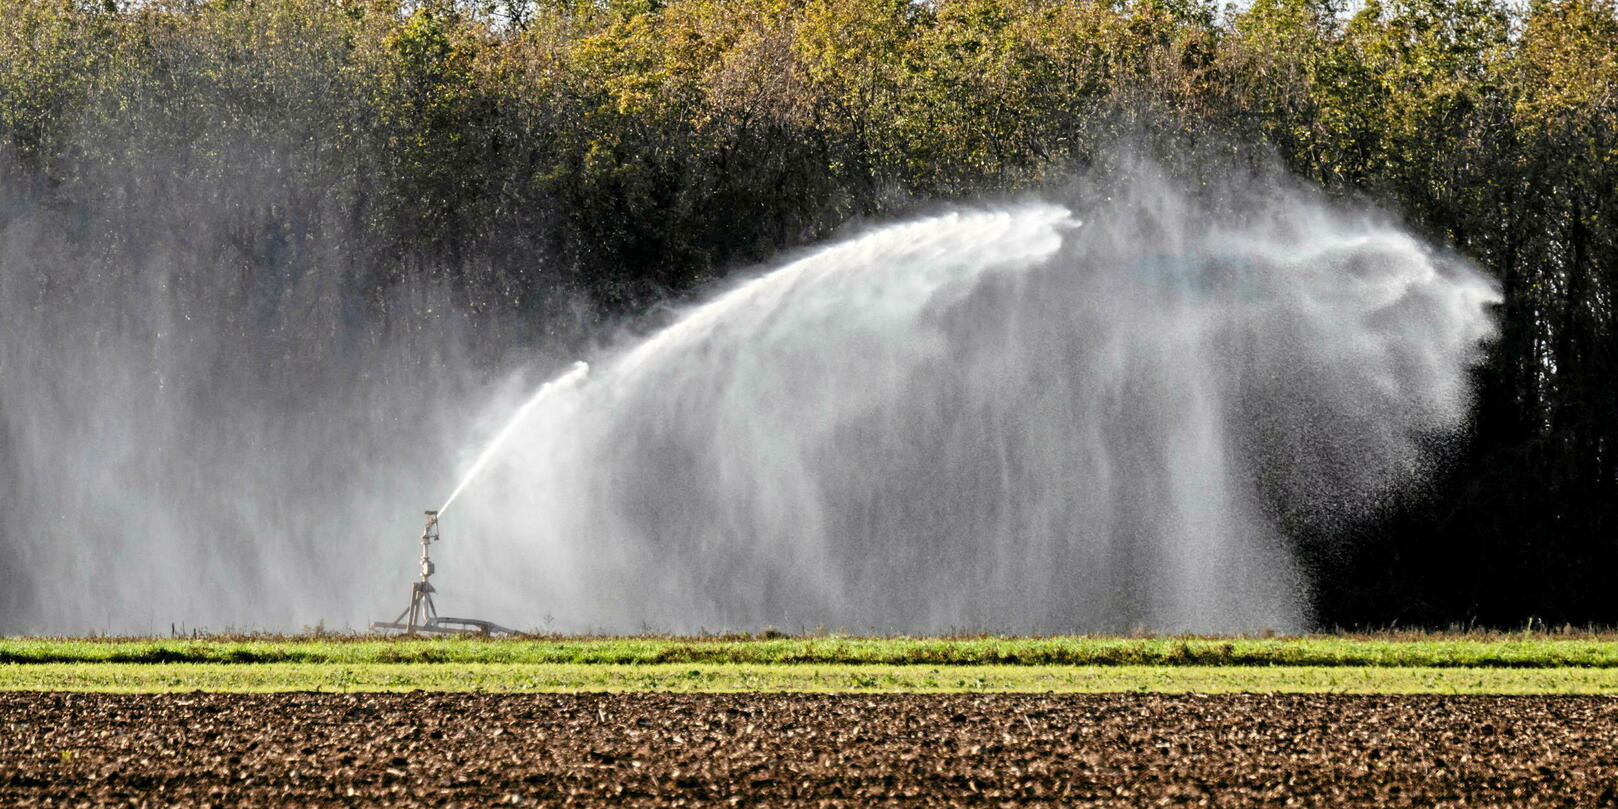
x=422 y=615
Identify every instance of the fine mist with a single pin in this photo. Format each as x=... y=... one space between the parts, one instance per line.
x=1097 y=414
x=213 y=415
x=1100 y=411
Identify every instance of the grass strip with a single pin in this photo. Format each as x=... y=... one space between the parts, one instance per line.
x=703 y=677
x=1313 y=651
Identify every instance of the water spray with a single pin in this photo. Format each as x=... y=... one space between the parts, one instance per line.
x=567 y=380
x=998 y=418
x=422 y=615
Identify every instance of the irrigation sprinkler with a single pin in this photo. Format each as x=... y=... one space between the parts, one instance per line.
x=422 y=615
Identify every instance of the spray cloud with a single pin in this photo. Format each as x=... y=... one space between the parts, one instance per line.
x=994 y=419
x=989 y=418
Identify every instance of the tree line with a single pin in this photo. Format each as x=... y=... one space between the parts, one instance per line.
x=570 y=160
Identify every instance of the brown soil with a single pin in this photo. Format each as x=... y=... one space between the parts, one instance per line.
x=828 y=750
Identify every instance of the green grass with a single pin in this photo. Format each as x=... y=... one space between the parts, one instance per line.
x=1422 y=651
x=567 y=677
x=1419 y=663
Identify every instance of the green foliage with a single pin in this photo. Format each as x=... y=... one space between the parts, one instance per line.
x=49 y=58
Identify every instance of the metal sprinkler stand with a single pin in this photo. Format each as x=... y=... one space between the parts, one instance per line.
x=422 y=616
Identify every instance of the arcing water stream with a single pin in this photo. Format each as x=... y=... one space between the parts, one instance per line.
x=561 y=383
x=992 y=420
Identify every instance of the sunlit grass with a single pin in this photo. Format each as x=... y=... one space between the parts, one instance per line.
x=1425 y=651
x=708 y=677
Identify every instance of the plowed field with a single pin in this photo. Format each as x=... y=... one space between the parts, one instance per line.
x=831 y=750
